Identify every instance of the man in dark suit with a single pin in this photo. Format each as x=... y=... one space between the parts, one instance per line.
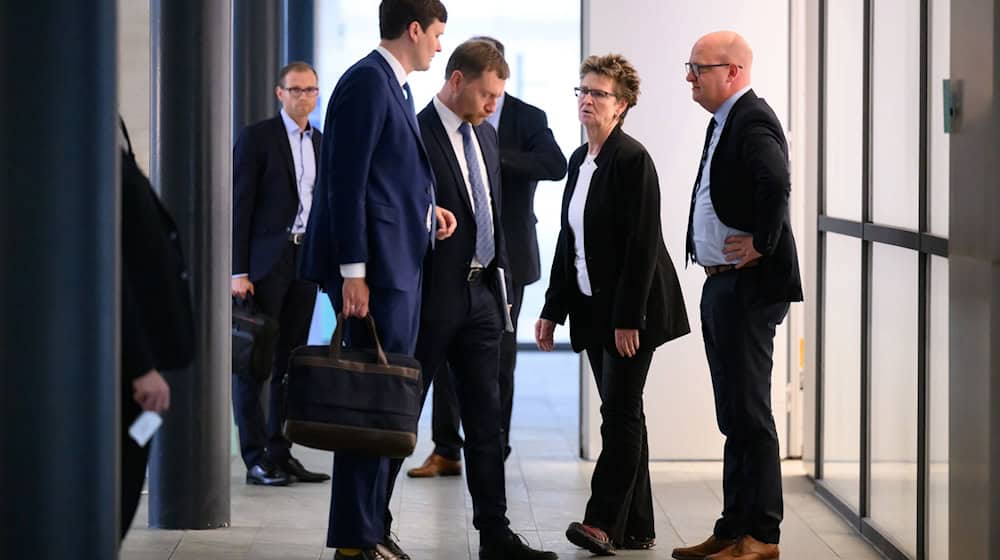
x=739 y=231
x=157 y=325
x=528 y=154
x=274 y=169
x=463 y=310
x=369 y=232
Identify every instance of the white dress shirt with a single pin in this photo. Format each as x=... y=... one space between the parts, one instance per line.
x=577 y=205
x=304 y=160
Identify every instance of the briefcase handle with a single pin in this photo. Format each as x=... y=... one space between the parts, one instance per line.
x=338 y=337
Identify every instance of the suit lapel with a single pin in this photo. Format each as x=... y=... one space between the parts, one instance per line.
x=397 y=93
x=444 y=144
x=285 y=148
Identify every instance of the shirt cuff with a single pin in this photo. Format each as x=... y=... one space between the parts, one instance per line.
x=352 y=270
x=244 y=275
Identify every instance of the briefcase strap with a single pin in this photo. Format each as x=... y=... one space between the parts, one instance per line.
x=338 y=337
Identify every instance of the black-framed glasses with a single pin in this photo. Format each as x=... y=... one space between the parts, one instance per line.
x=297 y=91
x=695 y=68
x=582 y=92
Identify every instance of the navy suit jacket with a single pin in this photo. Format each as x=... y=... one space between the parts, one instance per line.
x=528 y=154
x=265 y=196
x=447 y=267
x=375 y=185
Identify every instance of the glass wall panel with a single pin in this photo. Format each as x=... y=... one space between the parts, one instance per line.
x=938 y=421
x=939 y=164
x=844 y=73
x=896 y=113
x=894 y=301
x=842 y=367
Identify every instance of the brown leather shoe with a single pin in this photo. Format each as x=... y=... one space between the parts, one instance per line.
x=748 y=548
x=702 y=551
x=436 y=465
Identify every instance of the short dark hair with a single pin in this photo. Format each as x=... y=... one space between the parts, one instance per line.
x=394 y=16
x=492 y=40
x=474 y=57
x=297 y=66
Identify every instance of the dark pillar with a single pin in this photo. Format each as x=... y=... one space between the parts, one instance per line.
x=258 y=54
x=301 y=35
x=191 y=161
x=59 y=249
x=974 y=284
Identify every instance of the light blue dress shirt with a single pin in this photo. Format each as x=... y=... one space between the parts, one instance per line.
x=709 y=232
x=304 y=160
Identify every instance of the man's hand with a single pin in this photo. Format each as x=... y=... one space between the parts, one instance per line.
x=446 y=223
x=544 y=330
x=242 y=285
x=627 y=342
x=151 y=392
x=355 y=297
x=739 y=250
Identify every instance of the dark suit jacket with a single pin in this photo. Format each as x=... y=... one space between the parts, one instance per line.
x=374 y=186
x=749 y=185
x=528 y=154
x=157 y=322
x=447 y=266
x=632 y=278
x=265 y=196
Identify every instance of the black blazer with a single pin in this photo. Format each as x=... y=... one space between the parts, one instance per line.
x=446 y=268
x=528 y=154
x=157 y=322
x=749 y=188
x=632 y=278
x=265 y=195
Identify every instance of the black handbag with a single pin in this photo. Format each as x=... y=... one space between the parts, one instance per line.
x=255 y=336
x=360 y=400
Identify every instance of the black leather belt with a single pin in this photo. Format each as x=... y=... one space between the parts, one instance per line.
x=475 y=274
x=719 y=269
x=296 y=238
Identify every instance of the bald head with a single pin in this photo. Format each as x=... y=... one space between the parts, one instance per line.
x=724 y=59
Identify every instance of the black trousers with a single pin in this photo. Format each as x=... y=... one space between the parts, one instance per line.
x=133 y=463
x=470 y=342
x=282 y=295
x=445 y=418
x=621 y=499
x=739 y=343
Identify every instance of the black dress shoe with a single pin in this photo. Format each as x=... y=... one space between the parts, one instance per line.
x=510 y=547
x=370 y=554
x=390 y=546
x=581 y=537
x=293 y=467
x=267 y=476
x=638 y=543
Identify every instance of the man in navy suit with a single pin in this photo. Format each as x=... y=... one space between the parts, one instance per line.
x=274 y=169
x=373 y=223
x=464 y=308
x=528 y=154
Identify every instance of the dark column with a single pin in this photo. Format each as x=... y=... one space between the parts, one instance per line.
x=258 y=54
x=59 y=249
x=191 y=161
x=301 y=35
x=974 y=284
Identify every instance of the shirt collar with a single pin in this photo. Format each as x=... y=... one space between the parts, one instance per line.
x=449 y=119
x=291 y=126
x=394 y=63
x=722 y=113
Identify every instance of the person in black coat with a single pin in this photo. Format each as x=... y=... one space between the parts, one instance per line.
x=613 y=277
x=274 y=170
x=739 y=231
x=157 y=325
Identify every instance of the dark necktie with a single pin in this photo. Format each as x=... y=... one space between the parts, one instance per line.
x=694 y=192
x=485 y=247
x=409 y=98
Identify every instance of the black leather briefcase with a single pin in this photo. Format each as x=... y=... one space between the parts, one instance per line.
x=255 y=335
x=360 y=400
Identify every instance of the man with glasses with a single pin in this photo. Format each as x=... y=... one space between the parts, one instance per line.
x=274 y=169
x=739 y=232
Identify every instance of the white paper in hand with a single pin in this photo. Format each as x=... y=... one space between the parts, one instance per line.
x=144 y=427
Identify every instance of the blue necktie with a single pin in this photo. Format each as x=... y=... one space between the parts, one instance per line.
x=485 y=248
x=409 y=98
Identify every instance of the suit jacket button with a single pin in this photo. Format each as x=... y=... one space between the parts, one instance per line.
x=173 y=236
x=184 y=275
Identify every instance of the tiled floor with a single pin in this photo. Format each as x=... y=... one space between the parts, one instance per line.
x=547 y=487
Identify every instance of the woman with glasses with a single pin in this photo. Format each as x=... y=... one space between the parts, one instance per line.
x=612 y=276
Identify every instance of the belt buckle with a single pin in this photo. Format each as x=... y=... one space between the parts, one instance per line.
x=474 y=274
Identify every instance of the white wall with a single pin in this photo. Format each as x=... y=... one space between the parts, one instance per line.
x=656 y=36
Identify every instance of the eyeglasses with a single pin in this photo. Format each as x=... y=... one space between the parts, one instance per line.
x=695 y=68
x=297 y=91
x=582 y=92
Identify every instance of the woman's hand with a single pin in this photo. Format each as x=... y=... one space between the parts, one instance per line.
x=544 y=330
x=627 y=342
